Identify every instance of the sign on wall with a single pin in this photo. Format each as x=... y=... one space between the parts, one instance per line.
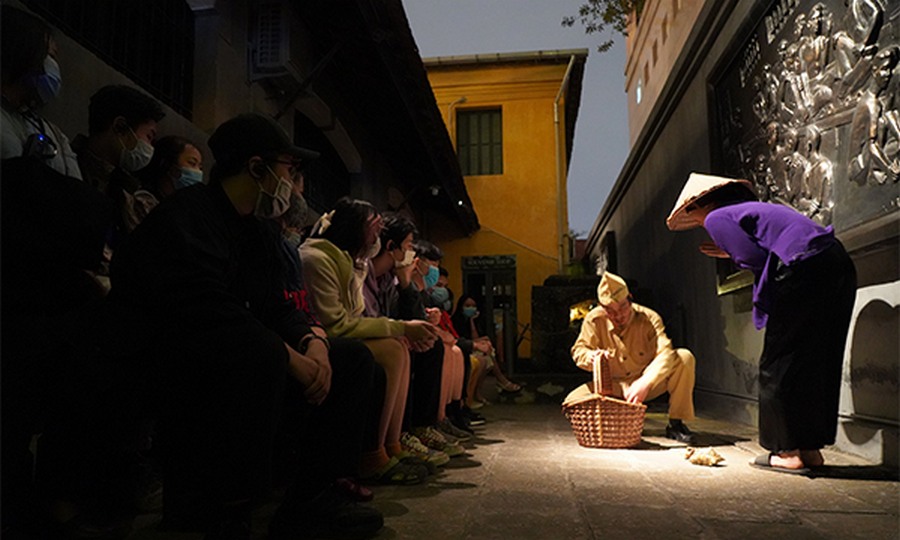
x=809 y=109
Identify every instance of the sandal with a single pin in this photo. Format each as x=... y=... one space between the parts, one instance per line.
x=396 y=472
x=509 y=388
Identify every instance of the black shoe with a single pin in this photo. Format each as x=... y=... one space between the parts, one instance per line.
x=676 y=430
x=329 y=514
x=460 y=422
x=474 y=418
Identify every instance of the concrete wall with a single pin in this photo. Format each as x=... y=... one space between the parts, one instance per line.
x=676 y=140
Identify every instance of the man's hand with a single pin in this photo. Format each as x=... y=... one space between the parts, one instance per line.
x=311 y=374
x=420 y=331
x=710 y=249
x=637 y=391
x=404 y=274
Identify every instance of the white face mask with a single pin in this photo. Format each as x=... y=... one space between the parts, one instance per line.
x=408 y=257
x=272 y=205
x=47 y=84
x=374 y=249
x=135 y=159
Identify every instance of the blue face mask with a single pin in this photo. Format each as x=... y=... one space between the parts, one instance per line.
x=188 y=177
x=440 y=296
x=470 y=311
x=431 y=278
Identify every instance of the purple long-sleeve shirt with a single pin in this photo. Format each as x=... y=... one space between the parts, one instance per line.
x=757 y=235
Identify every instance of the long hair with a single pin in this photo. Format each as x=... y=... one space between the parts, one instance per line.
x=347 y=225
x=461 y=322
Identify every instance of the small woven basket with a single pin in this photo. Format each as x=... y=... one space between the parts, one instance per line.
x=602 y=421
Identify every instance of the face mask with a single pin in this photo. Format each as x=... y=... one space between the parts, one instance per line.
x=374 y=249
x=135 y=159
x=440 y=296
x=48 y=83
x=188 y=177
x=470 y=311
x=298 y=213
x=408 y=257
x=293 y=238
x=272 y=205
x=431 y=278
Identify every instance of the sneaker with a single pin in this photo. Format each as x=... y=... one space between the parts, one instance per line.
x=329 y=514
x=460 y=422
x=474 y=418
x=435 y=440
x=447 y=428
x=412 y=445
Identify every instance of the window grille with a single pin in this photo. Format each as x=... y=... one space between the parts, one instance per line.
x=152 y=43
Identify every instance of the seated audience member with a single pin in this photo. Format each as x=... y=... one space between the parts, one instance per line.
x=176 y=164
x=469 y=324
x=122 y=123
x=334 y=268
x=330 y=437
x=199 y=320
x=30 y=78
x=389 y=291
x=642 y=361
x=53 y=228
x=425 y=276
x=458 y=416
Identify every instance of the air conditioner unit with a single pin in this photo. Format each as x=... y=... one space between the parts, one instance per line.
x=273 y=42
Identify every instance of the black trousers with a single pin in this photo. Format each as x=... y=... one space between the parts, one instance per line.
x=424 y=387
x=320 y=443
x=802 y=359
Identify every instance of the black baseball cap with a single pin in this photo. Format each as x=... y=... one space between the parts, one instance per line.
x=253 y=134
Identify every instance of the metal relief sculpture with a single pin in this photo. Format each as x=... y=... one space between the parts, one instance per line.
x=820 y=84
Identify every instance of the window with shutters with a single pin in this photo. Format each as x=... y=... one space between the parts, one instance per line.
x=479 y=141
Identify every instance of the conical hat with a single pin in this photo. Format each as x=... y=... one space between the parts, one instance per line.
x=697 y=186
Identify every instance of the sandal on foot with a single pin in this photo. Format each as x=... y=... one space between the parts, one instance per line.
x=763 y=461
x=396 y=472
x=509 y=388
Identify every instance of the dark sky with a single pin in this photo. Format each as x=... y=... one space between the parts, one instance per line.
x=459 y=27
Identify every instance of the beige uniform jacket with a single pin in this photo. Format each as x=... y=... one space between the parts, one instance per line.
x=641 y=347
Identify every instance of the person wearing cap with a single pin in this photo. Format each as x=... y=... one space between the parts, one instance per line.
x=203 y=276
x=803 y=294
x=642 y=361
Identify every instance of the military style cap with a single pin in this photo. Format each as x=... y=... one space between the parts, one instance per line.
x=612 y=289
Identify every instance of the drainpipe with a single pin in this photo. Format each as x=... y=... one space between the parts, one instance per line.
x=560 y=160
x=451 y=120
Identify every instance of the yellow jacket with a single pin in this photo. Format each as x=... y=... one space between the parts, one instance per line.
x=642 y=347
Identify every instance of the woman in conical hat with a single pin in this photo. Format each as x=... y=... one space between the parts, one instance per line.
x=803 y=293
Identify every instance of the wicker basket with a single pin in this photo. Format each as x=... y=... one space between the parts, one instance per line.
x=601 y=421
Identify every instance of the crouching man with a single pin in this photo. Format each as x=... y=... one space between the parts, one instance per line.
x=643 y=364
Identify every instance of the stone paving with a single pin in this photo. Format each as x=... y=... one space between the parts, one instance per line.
x=526 y=477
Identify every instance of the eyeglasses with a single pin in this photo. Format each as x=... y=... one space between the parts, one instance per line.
x=295 y=168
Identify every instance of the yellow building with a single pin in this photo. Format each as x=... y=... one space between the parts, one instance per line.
x=512 y=119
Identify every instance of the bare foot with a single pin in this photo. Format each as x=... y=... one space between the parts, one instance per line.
x=787 y=460
x=812 y=458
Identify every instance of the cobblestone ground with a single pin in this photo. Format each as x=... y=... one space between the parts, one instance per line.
x=526 y=477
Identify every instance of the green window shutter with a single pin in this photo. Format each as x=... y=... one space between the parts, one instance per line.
x=479 y=141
